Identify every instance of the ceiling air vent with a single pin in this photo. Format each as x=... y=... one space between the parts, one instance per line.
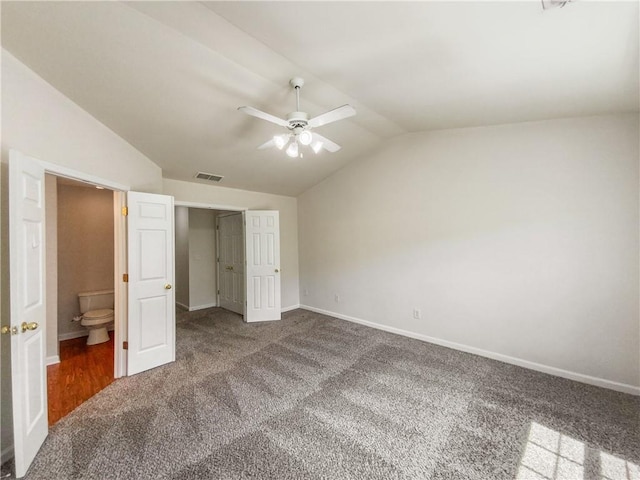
x=209 y=176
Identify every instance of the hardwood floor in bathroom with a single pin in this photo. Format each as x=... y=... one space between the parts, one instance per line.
x=83 y=371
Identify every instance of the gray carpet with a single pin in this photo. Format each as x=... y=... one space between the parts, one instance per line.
x=316 y=397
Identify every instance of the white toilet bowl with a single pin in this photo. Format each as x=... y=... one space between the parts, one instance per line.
x=97 y=314
x=97 y=322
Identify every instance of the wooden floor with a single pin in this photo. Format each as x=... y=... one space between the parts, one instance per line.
x=83 y=371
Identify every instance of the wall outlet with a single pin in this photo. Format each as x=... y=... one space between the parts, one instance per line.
x=417 y=314
x=336 y=297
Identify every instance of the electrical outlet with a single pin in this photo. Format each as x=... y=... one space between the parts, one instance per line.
x=417 y=314
x=337 y=298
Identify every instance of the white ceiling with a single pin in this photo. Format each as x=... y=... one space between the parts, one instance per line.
x=168 y=76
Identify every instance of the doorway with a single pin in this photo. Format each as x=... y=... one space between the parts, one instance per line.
x=209 y=264
x=80 y=262
x=143 y=243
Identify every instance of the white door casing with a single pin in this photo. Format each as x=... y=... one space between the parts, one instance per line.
x=28 y=308
x=262 y=233
x=151 y=312
x=231 y=262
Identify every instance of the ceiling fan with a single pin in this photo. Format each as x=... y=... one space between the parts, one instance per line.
x=300 y=126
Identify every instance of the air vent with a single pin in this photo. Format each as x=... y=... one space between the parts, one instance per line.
x=209 y=176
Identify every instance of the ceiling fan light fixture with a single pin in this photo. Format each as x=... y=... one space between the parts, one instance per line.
x=292 y=149
x=280 y=141
x=300 y=125
x=305 y=138
x=317 y=146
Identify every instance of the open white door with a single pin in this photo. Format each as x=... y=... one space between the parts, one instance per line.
x=151 y=322
x=231 y=262
x=262 y=233
x=28 y=309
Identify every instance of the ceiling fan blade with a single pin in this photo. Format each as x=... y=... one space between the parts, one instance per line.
x=334 y=115
x=268 y=144
x=254 y=112
x=327 y=144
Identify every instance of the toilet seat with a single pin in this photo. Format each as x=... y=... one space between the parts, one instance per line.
x=96 y=317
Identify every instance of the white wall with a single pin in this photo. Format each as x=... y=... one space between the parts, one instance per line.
x=202 y=258
x=229 y=197
x=182 y=256
x=41 y=122
x=521 y=240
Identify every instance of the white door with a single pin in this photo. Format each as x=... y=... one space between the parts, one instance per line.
x=151 y=322
x=231 y=262
x=27 y=329
x=263 y=265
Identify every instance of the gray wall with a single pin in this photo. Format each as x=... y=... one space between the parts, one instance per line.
x=202 y=258
x=518 y=241
x=182 y=256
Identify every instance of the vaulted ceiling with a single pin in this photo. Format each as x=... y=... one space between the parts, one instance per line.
x=168 y=76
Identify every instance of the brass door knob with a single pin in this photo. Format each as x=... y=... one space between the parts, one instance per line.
x=7 y=329
x=28 y=326
x=277 y=270
x=230 y=268
x=167 y=286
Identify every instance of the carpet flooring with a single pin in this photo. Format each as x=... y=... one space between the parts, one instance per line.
x=313 y=397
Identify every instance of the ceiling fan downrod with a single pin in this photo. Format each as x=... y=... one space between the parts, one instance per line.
x=297 y=83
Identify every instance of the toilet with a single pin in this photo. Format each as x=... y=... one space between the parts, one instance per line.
x=97 y=314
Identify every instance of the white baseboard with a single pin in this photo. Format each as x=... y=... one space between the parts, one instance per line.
x=80 y=333
x=71 y=335
x=53 y=359
x=289 y=308
x=7 y=454
x=202 y=307
x=182 y=306
x=558 y=372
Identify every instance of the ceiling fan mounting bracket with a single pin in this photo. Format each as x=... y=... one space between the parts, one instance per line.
x=297 y=82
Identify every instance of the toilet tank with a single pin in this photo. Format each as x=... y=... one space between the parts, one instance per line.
x=95 y=300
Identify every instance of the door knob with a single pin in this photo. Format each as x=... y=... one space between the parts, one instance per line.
x=277 y=270
x=230 y=267
x=167 y=286
x=7 y=329
x=28 y=326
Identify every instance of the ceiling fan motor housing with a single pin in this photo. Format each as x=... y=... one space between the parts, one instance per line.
x=297 y=119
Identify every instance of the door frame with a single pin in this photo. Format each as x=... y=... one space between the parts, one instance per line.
x=119 y=253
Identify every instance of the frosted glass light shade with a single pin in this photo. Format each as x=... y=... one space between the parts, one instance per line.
x=292 y=149
x=280 y=141
x=305 y=138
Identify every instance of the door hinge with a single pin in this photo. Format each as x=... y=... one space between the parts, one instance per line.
x=125 y=345
x=125 y=211
x=218 y=292
x=125 y=277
